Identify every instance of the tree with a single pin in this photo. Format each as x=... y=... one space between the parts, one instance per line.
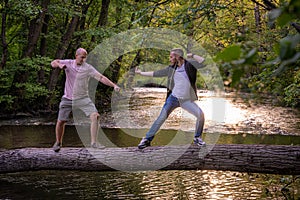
x=18 y=87
x=64 y=43
x=263 y=51
x=3 y=35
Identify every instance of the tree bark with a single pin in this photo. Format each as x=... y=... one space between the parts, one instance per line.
x=257 y=19
x=43 y=49
x=35 y=30
x=65 y=41
x=3 y=36
x=274 y=159
x=81 y=25
x=21 y=76
x=103 y=17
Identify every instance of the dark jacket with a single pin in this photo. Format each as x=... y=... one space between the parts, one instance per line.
x=191 y=70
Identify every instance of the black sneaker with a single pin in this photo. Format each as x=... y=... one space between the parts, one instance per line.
x=56 y=147
x=97 y=145
x=144 y=143
x=198 y=141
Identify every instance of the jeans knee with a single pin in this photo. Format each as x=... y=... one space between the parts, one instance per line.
x=200 y=116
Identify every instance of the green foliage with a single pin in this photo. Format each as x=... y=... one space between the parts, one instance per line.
x=24 y=8
x=260 y=57
x=6 y=100
x=230 y=53
x=287 y=53
x=33 y=91
x=270 y=62
x=292 y=92
x=283 y=15
x=237 y=61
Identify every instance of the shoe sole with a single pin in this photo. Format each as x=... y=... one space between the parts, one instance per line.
x=143 y=147
x=200 y=145
x=56 y=149
x=98 y=147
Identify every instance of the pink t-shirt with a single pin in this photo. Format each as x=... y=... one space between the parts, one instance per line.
x=77 y=79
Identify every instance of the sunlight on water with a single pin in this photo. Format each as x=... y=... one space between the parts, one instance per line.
x=221 y=110
x=226 y=113
x=223 y=114
x=191 y=184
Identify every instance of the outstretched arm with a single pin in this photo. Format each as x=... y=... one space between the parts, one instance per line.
x=198 y=58
x=56 y=63
x=138 y=71
x=103 y=79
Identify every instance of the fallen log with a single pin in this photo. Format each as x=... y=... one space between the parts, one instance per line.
x=275 y=159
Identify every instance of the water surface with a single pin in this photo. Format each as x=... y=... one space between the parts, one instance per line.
x=243 y=122
x=147 y=185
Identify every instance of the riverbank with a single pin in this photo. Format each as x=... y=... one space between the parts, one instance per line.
x=231 y=113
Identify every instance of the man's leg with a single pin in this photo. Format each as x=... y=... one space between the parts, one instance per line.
x=65 y=108
x=170 y=104
x=195 y=110
x=89 y=108
x=94 y=127
x=59 y=133
x=60 y=130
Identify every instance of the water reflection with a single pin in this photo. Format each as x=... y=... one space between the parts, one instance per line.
x=147 y=185
x=250 y=123
x=43 y=136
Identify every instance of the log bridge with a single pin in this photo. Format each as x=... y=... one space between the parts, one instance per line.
x=274 y=159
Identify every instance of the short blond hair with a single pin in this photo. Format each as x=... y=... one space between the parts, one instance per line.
x=178 y=51
x=80 y=51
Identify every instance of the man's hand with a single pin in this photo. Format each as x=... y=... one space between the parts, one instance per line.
x=116 y=88
x=61 y=66
x=196 y=57
x=189 y=55
x=137 y=70
x=56 y=63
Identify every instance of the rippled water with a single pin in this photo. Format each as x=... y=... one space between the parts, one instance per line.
x=147 y=185
x=241 y=122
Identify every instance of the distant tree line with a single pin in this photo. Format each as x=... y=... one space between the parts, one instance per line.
x=255 y=43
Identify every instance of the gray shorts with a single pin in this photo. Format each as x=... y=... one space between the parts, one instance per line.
x=66 y=106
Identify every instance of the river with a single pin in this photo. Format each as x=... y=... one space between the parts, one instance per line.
x=241 y=121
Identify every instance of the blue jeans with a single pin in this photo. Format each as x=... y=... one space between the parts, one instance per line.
x=172 y=103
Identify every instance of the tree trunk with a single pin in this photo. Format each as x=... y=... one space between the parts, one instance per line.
x=102 y=21
x=275 y=159
x=21 y=76
x=43 y=48
x=35 y=30
x=257 y=19
x=116 y=65
x=3 y=37
x=81 y=25
x=65 y=41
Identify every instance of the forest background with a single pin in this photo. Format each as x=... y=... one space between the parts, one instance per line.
x=255 y=44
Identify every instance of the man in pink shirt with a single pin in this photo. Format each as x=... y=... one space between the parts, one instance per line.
x=78 y=73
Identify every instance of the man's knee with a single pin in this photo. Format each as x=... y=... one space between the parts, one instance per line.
x=94 y=116
x=61 y=122
x=201 y=115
